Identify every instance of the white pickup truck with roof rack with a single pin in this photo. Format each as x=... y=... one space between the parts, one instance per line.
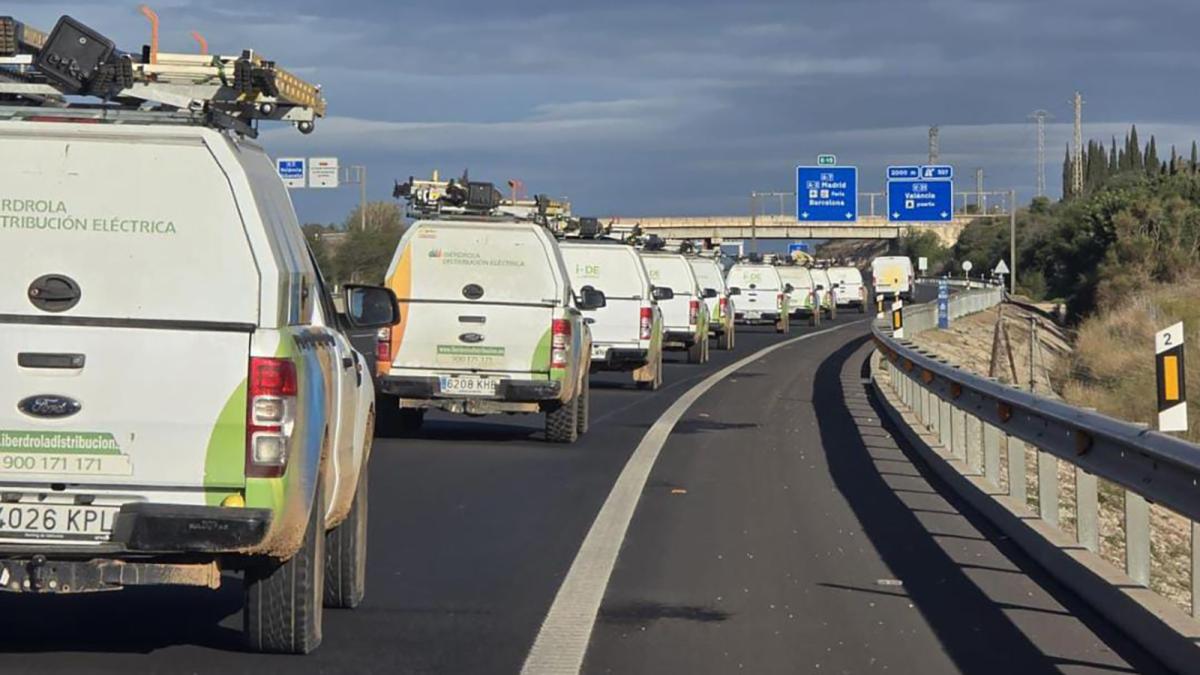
x=490 y=322
x=627 y=333
x=180 y=397
x=851 y=289
x=685 y=314
x=721 y=304
x=763 y=295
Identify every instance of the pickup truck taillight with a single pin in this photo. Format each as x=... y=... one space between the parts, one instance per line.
x=693 y=312
x=646 y=323
x=383 y=351
x=560 y=339
x=723 y=305
x=270 y=416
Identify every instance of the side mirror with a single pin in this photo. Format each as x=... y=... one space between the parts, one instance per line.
x=661 y=293
x=371 y=306
x=734 y=290
x=710 y=293
x=820 y=287
x=788 y=288
x=590 y=298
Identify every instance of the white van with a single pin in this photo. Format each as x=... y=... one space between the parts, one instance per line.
x=627 y=333
x=720 y=303
x=762 y=295
x=489 y=323
x=179 y=395
x=851 y=289
x=892 y=277
x=685 y=314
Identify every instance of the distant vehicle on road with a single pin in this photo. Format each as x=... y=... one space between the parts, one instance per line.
x=851 y=289
x=627 y=333
x=721 y=305
x=824 y=288
x=490 y=323
x=685 y=314
x=892 y=277
x=762 y=294
x=802 y=297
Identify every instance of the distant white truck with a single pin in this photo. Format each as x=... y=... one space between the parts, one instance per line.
x=851 y=289
x=892 y=277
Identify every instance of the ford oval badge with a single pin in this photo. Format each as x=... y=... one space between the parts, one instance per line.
x=48 y=406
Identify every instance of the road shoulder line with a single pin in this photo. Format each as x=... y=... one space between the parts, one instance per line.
x=562 y=641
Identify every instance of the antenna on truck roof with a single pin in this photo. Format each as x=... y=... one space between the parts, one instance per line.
x=41 y=74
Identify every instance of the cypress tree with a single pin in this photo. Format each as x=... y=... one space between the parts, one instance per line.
x=1126 y=160
x=1152 y=163
x=1112 y=158
x=1174 y=165
x=1195 y=158
x=1136 y=162
x=1066 y=175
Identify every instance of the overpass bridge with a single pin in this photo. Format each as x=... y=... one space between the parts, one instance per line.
x=787 y=227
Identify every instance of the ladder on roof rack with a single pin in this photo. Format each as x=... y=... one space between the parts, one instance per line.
x=463 y=198
x=234 y=92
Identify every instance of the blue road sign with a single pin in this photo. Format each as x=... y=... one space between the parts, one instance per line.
x=801 y=246
x=922 y=201
x=937 y=172
x=903 y=172
x=827 y=193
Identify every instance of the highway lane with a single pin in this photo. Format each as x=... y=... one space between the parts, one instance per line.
x=784 y=530
x=473 y=525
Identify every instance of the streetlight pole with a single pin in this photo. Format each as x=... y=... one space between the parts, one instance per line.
x=754 y=222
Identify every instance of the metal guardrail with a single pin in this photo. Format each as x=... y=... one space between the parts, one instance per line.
x=976 y=418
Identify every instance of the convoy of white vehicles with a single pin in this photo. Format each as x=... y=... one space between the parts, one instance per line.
x=259 y=464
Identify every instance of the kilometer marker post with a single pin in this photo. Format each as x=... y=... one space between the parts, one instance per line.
x=1172 y=385
x=898 y=319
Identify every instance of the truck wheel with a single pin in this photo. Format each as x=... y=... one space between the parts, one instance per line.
x=411 y=420
x=695 y=353
x=584 y=407
x=562 y=422
x=346 y=554
x=283 y=602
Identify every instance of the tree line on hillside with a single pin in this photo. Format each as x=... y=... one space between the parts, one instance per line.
x=350 y=253
x=1101 y=163
x=1136 y=223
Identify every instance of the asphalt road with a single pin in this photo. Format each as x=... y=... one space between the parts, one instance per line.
x=782 y=530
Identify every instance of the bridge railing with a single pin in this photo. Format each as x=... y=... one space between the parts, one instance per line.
x=980 y=421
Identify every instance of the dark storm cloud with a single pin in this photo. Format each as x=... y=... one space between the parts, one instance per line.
x=635 y=107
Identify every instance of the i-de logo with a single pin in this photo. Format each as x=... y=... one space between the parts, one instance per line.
x=587 y=270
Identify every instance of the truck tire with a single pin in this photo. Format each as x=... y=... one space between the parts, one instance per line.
x=584 y=407
x=346 y=554
x=695 y=353
x=284 y=599
x=562 y=422
x=725 y=340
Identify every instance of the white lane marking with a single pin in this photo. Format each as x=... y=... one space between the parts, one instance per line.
x=562 y=642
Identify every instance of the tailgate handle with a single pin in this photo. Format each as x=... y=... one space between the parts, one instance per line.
x=472 y=319
x=53 y=361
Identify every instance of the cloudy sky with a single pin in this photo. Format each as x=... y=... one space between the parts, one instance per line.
x=643 y=107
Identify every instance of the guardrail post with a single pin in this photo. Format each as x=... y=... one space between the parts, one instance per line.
x=1137 y=538
x=919 y=395
x=1087 y=504
x=991 y=454
x=944 y=427
x=974 y=444
x=958 y=437
x=1016 y=471
x=931 y=409
x=1048 y=487
x=1196 y=569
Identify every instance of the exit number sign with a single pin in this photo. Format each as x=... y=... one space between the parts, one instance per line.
x=826 y=160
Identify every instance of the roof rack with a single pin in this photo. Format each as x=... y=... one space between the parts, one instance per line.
x=47 y=71
x=464 y=199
